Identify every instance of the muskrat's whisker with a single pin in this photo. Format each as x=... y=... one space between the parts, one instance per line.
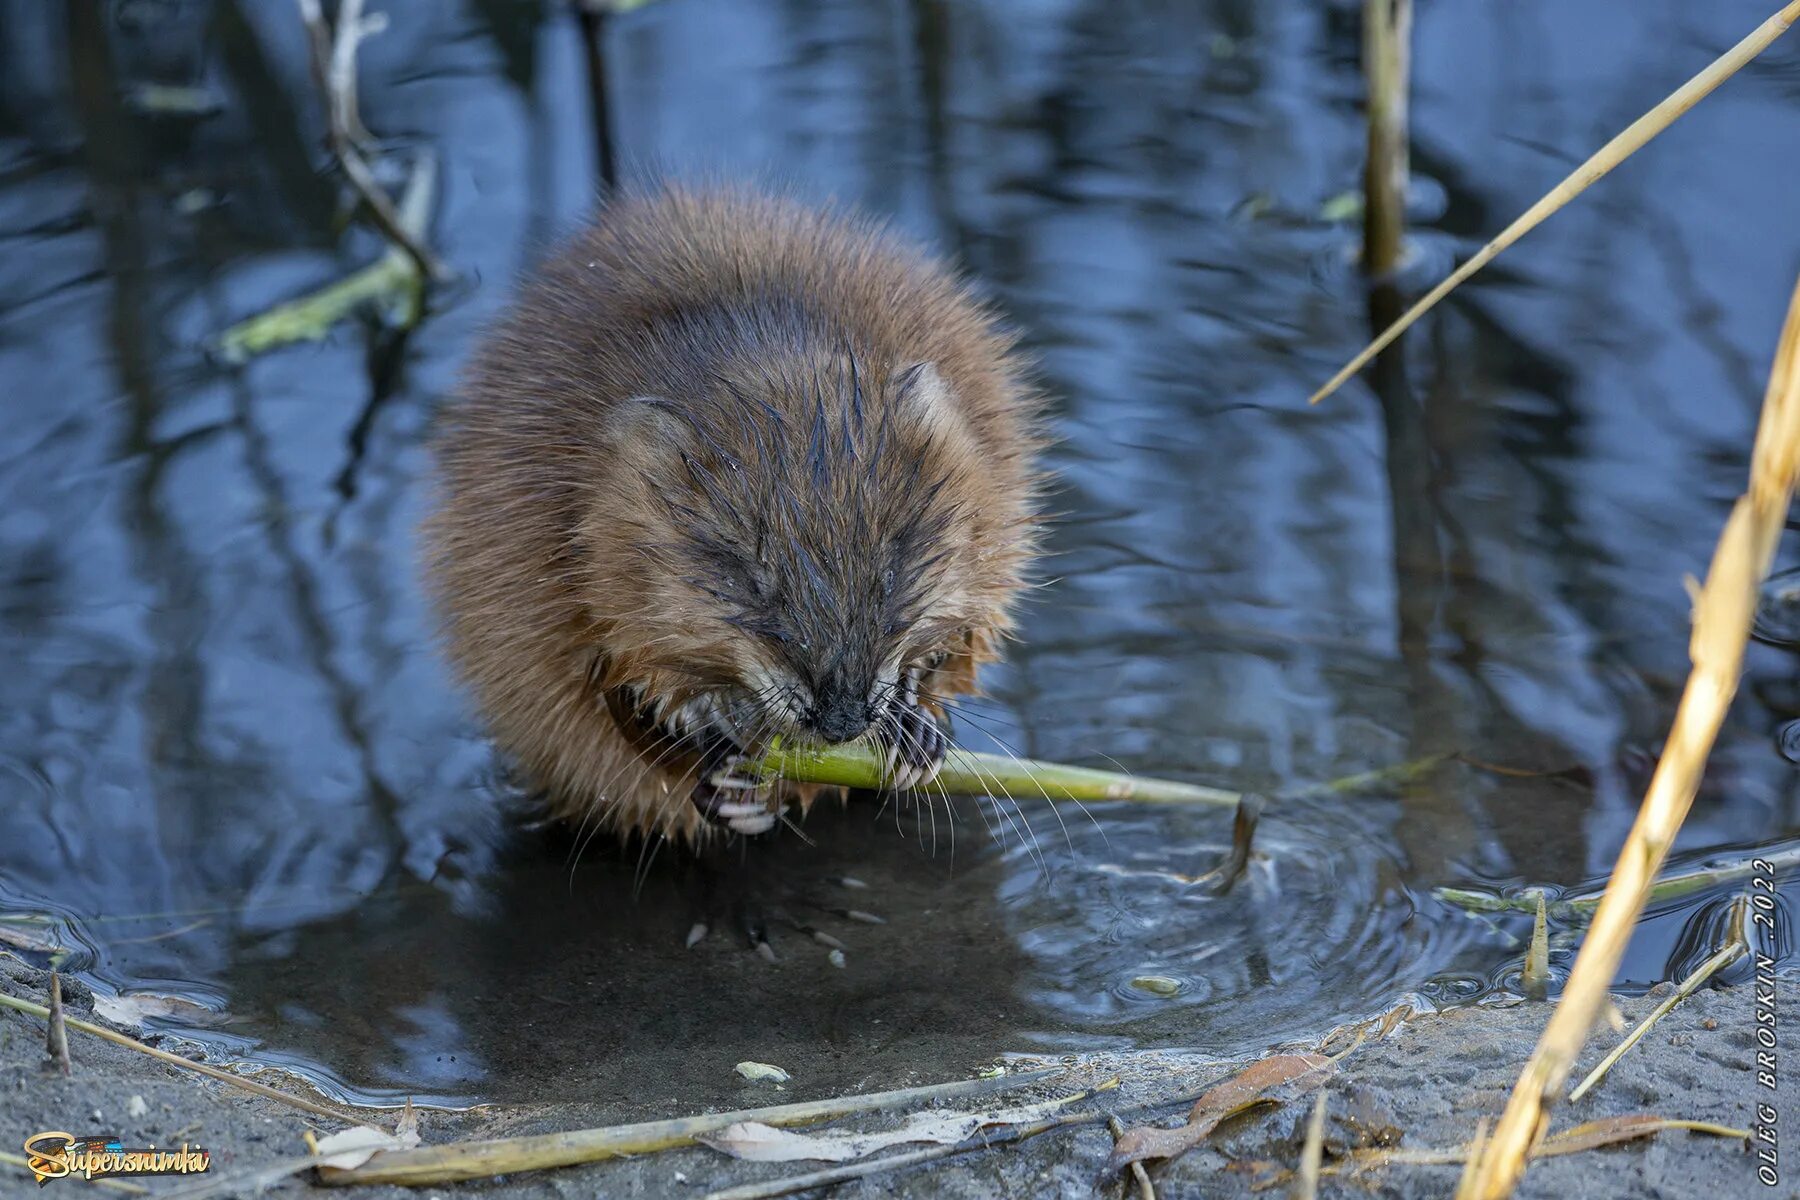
x=676 y=795
x=646 y=852
x=1024 y=766
x=594 y=816
x=961 y=708
x=912 y=741
x=992 y=784
x=931 y=811
x=996 y=790
x=1048 y=800
x=653 y=844
x=931 y=797
x=1029 y=837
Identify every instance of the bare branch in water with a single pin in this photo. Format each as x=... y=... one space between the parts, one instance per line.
x=334 y=70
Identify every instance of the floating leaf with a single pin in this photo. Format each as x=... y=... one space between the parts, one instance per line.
x=135 y=1008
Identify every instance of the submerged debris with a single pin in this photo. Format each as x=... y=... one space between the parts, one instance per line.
x=1157 y=985
x=392 y=287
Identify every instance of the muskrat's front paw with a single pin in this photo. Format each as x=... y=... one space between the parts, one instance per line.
x=915 y=746
x=727 y=795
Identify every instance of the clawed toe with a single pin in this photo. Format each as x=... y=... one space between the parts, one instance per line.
x=727 y=795
x=734 y=810
x=747 y=817
x=915 y=747
x=734 y=773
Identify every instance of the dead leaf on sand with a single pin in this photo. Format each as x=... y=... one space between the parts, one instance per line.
x=1250 y=1088
x=351 y=1148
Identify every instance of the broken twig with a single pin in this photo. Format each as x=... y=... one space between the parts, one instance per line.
x=1581 y=907
x=333 y=55
x=56 y=1038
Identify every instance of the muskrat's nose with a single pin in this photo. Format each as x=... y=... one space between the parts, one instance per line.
x=838 y=718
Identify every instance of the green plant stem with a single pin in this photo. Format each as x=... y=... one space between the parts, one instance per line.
x=967 y=773
x=392 y=285
x=1580 y=908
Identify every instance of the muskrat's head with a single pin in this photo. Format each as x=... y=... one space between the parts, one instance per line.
x=786 y=548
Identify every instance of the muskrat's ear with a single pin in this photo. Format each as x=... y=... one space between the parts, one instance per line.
x=647 y=425
x=921 y=391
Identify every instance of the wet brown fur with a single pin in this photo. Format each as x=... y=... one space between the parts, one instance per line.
x=704 y=436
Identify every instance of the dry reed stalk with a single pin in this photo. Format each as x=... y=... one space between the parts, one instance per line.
x=1723 y=611
x=1386 y=50
x=1605 y=159
x=423 y=1165
x=832 y=1176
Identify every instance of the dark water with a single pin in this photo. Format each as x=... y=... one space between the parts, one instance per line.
x=233 y=770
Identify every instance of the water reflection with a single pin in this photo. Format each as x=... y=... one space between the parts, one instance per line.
x=233 y=768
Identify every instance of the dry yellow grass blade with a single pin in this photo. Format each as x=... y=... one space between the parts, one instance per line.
x=1723 y=611
x=1727 y=954
x=1312 y=1154
x=1605 y=159
x=1592 y=1135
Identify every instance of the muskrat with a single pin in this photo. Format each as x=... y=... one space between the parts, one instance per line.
x=731 y=467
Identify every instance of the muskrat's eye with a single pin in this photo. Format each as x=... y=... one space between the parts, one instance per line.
x=935 y=659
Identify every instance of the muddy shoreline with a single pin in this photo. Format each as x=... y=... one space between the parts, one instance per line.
x=1422 y=1086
